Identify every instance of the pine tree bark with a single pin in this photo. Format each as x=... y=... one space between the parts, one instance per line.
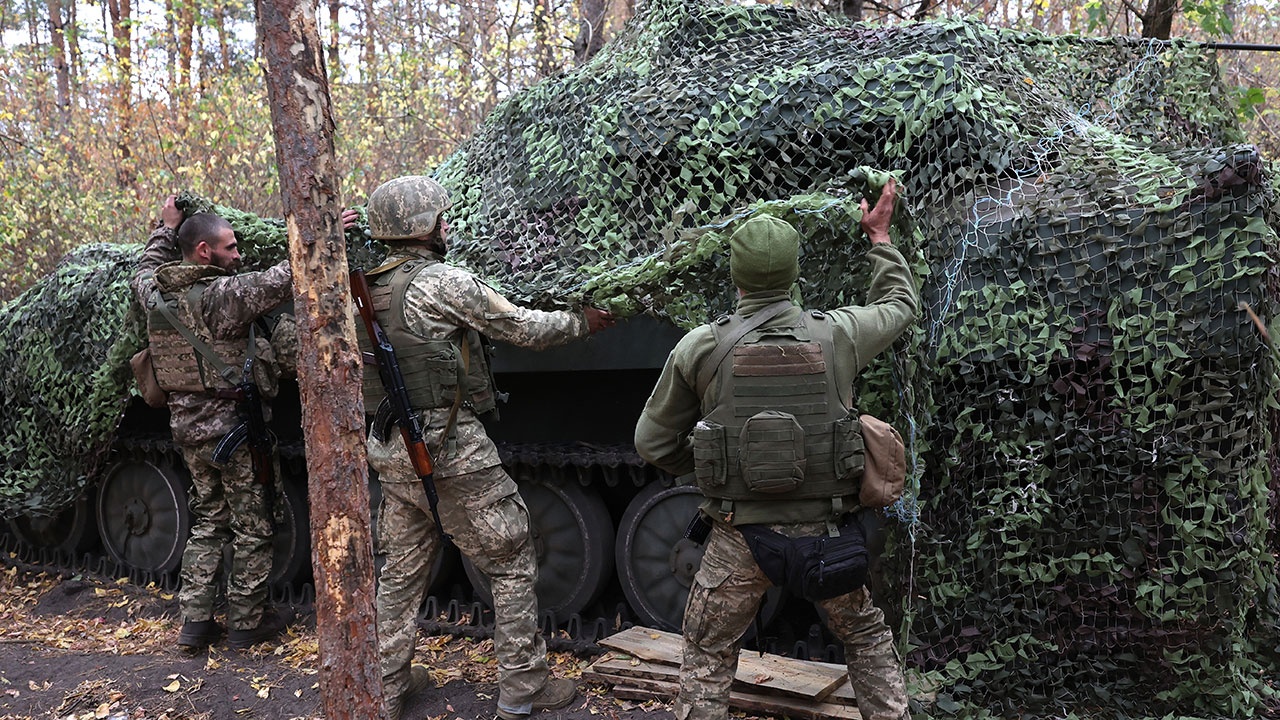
x=329 y=370
x=185 y=16
x=335 y=60
x=1157 y=19
x=121 y=13
x=61 y=70
x=590 y=29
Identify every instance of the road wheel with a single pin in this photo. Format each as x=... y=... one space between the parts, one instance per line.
x=573 y=539
x=143 y=517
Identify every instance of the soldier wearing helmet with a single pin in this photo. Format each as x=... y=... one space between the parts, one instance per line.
x=438 y=317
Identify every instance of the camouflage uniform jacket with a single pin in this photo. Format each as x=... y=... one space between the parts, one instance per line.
x=228 y=306
x=860 y=333
x=437 y=306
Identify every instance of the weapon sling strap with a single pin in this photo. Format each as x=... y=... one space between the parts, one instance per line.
x=201 y=347
x=450 y=438
x=709 y=366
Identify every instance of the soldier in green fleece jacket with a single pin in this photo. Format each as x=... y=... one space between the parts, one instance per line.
x=788 y=383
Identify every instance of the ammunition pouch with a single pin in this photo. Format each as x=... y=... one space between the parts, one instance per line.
x=771 y=453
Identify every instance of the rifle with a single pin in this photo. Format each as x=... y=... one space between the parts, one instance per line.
x=397 y=399
x=252 y=429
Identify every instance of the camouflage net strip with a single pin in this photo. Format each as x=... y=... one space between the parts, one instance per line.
x=66 y=345
x=1089 y=408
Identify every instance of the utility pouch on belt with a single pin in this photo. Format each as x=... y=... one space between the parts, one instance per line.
x=814 y=568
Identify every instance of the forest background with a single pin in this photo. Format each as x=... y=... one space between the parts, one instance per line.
x=107 y=106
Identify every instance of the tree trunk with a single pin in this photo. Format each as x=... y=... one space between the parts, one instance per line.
x=61 y=70
x=185 y=16
x=590 y=29
x=329 y=370
x=544 y=55
x=370 y=49
x=1157 y=19
x=121 y=31
x=72 y=33
x=852 y=9
x=335 y=61
x=220 y=24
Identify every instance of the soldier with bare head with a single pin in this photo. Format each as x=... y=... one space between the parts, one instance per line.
x=758 y=408
x=438 y=317
x=189 y=284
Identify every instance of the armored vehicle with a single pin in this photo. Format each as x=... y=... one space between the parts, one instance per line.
x=1088 y=398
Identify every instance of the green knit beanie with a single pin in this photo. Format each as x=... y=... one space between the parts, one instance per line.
x=764 y=254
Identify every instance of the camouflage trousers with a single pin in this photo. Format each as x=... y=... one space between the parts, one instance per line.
x=723 y=601
x=226 y=507
x=490 y=525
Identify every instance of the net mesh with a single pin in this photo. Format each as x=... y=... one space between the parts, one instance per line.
x=1087 y=401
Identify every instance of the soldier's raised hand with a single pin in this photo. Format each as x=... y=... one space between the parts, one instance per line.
x=875 y=221
x=170 y=215
x=598 y=319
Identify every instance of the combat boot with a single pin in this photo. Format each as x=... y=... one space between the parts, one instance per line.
x=419 y=680
x=271 y=626
x=557 y=693
x=199 y=634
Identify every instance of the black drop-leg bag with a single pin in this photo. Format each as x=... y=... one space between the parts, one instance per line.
x=814 y=568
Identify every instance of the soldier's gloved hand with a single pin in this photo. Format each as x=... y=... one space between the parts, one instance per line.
x=598 y=320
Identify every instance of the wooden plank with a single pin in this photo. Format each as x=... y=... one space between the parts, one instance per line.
x=615 y=668
x=749 y=702
x=802 y=678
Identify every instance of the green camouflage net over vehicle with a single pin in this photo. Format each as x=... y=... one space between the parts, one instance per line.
x=65 y=345
x=1089 y=408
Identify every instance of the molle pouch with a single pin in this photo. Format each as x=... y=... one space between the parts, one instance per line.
x=710 y=454
x=771 y=452
x=848 y=448
x=435 y=372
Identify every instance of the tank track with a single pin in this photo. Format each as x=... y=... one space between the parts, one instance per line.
x=459 y=612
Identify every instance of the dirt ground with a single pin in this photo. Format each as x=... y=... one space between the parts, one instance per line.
x=82 y=648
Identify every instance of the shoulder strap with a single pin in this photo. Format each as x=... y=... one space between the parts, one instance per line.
x=713 y=360
x=227 y=372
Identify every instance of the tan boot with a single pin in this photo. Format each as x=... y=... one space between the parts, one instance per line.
x=419 y=680
x=557 y=693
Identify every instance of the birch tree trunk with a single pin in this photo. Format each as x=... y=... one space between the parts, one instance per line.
x=329 y=370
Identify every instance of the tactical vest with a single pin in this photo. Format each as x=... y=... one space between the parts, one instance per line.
x=178 y=367
x=432 y=367
x=780 y=430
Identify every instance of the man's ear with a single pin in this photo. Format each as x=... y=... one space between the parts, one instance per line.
x=202 y=251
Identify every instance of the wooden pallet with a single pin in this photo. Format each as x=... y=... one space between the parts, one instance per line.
x=644 y=664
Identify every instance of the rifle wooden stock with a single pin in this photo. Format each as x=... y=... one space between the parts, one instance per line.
x=418 y=455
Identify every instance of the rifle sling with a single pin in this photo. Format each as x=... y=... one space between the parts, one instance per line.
x=449 y=439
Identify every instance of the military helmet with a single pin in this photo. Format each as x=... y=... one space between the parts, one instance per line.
x=407 y=207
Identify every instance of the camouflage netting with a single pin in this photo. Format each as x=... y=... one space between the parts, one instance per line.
x=1088 y=404
x=65 y=345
